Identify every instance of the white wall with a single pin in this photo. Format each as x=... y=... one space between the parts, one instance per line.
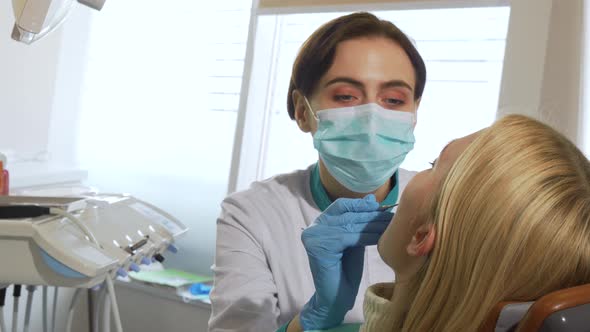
x=584 y=136
x=27 y=82
x=542 y=75
x=71 y=67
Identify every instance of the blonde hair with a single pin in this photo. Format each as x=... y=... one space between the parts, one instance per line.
x=513 y=223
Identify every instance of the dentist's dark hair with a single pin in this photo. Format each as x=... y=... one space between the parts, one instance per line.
x=317 y=53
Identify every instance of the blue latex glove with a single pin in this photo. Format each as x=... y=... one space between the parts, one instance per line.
x=335 y=245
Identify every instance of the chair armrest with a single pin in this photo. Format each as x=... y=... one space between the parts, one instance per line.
x=552 y=303
x=490 y=323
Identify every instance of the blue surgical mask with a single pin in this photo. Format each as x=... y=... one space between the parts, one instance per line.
x=363 y=146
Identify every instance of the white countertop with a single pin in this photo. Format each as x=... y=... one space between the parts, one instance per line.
x=33 y=174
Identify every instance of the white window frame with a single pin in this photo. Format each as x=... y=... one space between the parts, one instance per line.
x=521 y=60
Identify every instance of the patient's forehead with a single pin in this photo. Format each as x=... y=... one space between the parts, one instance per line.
x=455 y=148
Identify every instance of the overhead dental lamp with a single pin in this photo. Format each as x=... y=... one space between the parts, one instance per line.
x=36 y=18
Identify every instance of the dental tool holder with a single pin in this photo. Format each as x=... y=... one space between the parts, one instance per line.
x=53 y=250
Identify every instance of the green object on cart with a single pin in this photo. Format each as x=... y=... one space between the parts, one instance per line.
x=169 y=277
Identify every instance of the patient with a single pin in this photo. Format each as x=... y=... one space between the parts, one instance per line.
x=504 y=214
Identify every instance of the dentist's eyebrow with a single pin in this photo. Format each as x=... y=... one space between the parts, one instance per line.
x=397 y=83
x=348 y=80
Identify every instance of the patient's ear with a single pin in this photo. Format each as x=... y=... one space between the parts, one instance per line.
x=422 y=241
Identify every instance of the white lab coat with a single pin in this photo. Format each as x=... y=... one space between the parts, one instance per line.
x=262 y=275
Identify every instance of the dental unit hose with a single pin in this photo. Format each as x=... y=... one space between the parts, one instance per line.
x=53 y=314
x=16 y=293
x=45 y=308
x=2 y=299
x=31 y=291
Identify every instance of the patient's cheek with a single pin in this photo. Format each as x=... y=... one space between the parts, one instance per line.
x=409 y=215
x=392 y=241
x=417 y=195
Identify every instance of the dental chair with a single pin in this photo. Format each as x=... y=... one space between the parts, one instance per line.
x=566 y=310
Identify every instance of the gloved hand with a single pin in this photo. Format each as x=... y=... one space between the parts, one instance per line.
x=335 y=244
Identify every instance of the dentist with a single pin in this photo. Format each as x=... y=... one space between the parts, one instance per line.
x=355 y=87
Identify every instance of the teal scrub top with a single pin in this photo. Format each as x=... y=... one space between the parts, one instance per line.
x=321 y=199
x=339 y=328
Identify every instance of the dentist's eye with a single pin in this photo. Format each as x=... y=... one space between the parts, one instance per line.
x=344 y=98
x=393 y=98
x=394 y=102
x=345 y=94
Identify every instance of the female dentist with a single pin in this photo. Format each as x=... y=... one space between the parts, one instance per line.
x=356 y=86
